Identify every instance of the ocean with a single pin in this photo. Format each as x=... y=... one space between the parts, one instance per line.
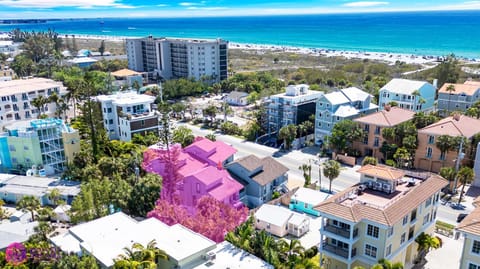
x=419 y=33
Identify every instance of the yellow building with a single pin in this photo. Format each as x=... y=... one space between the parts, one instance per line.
x=470 y=228
x=373 y=125
x=378 y=218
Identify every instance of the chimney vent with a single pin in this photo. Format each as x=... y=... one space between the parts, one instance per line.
x=456 y=116
x=387 y=107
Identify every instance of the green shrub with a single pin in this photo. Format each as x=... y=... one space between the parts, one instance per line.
x=390 y=163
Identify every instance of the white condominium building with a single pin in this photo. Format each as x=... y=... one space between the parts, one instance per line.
x=16 y=98
x=172 y=58
x=128 y=113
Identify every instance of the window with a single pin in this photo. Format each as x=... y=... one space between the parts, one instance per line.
x=442 y=156
x=377 y=130
x=426 y=219
x=429 y=153
x=405 y=220
x=402 y=239
x=370 y=251
x=109 y=110
x=372 y=231
x=389 y=250
x=431 y=139
x=198 y=187
x=473 y=266
x=25 y=147
x=390 y=231
x=367 y=128
x=268 y=225
x=428 y=202
x=110 y=121
x=365 y=140
x=413 y=216
x=143 y=122
x=376 y=142
x=12 y=148
x=476 y=247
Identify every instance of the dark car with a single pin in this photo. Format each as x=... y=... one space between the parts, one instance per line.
x=461 y=216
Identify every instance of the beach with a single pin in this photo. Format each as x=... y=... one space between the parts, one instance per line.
x=390 y=58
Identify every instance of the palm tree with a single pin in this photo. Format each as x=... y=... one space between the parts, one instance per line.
x=465 y=175
x=444 y=143
x=55 y=196
x=449 y=89
x=389 y=135
x=449 y=174
x=29 y=203
x=265 y=247
x=139 y=256
x=331 y=170
x=425 y=243
x=307 y=173
x=39 y=103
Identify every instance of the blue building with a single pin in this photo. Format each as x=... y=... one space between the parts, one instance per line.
x=343 y=104
x=304 y=200
x=408 y=94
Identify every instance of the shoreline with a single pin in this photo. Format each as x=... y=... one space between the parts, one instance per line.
x=390 y=58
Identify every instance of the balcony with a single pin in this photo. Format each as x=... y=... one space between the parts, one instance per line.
x=335 y=250
x=343 y=232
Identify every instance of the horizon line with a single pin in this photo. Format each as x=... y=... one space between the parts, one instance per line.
x=184 y=16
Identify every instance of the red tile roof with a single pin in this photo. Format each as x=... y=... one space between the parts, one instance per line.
x=467 y=89
x=383 y=172
x=459 y=125
x=387 y=117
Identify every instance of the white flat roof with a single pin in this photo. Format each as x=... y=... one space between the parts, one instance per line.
x=273 y=214
x=127 y=98
x=106 y=237
x=27 y=85
x=229 y=256
x=297 y=219
x=37 y=186
x=403 y=86
x=309 y=196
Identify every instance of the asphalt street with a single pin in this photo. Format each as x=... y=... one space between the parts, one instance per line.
x=293 y=159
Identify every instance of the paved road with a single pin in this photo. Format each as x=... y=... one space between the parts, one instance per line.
x=293 y=159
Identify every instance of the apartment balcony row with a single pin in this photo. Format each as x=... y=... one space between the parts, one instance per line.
x=339 y=231
x=338 y=251
x=138 y=115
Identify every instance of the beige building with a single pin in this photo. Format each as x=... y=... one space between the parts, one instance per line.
x=378 y=218
x=281 y=221
x=428 y=156
x=373 y=124
x=470 y=228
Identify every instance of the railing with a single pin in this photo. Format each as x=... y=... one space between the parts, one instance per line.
x=335 y=250
x=337 y=230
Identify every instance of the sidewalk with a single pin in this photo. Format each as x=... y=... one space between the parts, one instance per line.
x=448 y=256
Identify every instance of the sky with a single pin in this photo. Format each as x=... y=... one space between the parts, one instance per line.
x=33 y=9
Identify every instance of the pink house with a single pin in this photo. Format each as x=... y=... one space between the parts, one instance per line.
x=212 y=181
x=211 y=152
x=200 y=171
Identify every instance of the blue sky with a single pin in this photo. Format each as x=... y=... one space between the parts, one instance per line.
x=189 y=8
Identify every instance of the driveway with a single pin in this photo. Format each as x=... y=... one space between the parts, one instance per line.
x=448 y=256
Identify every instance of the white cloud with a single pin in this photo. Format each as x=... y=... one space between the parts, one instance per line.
x=189 y=4
x=162 y=5
x=62 y=3
x=365 y=4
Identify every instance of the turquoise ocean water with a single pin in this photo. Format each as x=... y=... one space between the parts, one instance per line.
x=421 y=33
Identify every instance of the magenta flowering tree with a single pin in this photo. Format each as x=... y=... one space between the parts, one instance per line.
x=165 y=163
x=212 y=218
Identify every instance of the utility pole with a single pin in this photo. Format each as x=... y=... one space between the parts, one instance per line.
x=457 y=165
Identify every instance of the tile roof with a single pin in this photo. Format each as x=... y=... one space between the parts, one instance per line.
x=464 y=126
x=403 y=86
x=387 y=118
x=383 y=172
x=467 y=89
x=125 y=73
x=218 y=151
x=388 y=215
x=471 y=223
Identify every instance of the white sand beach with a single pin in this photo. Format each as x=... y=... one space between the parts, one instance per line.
x=390 y=58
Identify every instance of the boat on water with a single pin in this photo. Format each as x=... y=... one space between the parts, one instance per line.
x=131 y=28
